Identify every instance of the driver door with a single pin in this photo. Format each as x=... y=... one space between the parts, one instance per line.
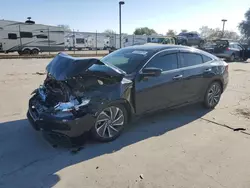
x=153 y=93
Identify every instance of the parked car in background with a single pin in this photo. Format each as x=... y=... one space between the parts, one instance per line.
x=164 y=40
x=228 y=50
x=190 y=39
x=101 y=96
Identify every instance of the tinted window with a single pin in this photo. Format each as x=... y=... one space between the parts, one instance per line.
x=80 y=41
x=41 y=37
x=190 y=59
x=26 y=35
x=12 y=36
x=206 y=58
x=165 y=62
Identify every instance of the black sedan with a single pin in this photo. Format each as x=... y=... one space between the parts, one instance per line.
x=101 y=96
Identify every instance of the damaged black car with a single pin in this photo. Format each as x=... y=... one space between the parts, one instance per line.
x=101 y=96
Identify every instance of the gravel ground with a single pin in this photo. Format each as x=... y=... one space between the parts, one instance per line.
x=184 y=148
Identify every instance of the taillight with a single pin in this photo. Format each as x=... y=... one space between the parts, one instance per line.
x=226 y=67
x=228 y=49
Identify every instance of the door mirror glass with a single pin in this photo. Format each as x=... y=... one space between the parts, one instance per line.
x=151 y=72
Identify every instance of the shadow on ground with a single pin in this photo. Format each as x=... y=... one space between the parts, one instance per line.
x=25 y=154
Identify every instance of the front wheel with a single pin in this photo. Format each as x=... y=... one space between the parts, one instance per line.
x=110 y=123
x=212 y=96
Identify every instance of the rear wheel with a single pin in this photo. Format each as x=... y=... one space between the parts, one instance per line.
x=26 y=52
x=232 y=58
x=35 y=51
x=212 y=96
x=110 y=123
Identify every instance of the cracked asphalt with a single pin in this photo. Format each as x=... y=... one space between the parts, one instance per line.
x=185 y=148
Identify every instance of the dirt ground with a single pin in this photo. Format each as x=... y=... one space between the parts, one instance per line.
x=185 y=148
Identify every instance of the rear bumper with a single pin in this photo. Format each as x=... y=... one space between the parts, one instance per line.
x=222 y=55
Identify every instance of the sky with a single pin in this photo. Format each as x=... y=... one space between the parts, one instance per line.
x=99 y=15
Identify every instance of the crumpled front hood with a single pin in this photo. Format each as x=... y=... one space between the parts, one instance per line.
x=64 y=67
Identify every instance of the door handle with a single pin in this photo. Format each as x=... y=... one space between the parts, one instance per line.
x=177 y=77
x=208 y=70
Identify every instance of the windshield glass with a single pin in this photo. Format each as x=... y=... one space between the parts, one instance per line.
x=127 y=59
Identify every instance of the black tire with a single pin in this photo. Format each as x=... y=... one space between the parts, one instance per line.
x=20 y=52
x=35 y=52
x=184 y=43
x=232 y=58
x=212 y=95
x=98 y=125
x=201 y=45
x=26 y=52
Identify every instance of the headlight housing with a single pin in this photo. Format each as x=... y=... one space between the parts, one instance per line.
x=72 y=105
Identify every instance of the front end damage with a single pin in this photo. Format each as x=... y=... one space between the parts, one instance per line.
x=65 y=106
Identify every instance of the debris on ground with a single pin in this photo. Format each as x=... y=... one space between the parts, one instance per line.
x=97 y=167
x=245 y=112
x=76 y=150
x=39 y=73
x=141 y=176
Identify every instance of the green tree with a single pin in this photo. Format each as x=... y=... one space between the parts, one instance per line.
x=244 y=26
x=109 y=32
x=144 y=30
x=184 y=30
x=65 y=27
x=171 y=32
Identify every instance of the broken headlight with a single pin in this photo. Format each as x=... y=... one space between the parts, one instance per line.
x=72 y=105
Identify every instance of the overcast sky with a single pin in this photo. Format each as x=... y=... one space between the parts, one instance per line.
x=98 y=15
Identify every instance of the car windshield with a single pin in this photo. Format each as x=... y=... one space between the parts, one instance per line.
x=127 y=60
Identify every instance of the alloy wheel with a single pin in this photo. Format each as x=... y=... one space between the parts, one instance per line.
x=110 y=122
x=214 y=94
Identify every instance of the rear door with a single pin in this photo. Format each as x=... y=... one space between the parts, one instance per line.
x=154 y=93
x=195 y=74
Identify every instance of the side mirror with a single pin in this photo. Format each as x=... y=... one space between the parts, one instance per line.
x=151 y=72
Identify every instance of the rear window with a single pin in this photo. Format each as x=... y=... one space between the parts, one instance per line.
x=206 y=58
x=190 y=59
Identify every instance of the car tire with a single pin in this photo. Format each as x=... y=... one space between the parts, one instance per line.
x=212 y=95
x=232 y=58
x=110 y=122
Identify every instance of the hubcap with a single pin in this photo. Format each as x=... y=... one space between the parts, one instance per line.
x=214 y=95
x=109 y=122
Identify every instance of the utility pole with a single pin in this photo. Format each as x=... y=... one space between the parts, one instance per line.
x=120 y=21
x=223 y=27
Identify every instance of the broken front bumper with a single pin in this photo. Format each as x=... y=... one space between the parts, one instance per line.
x=66 y=125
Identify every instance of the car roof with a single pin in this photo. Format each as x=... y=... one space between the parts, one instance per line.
x=157 y=47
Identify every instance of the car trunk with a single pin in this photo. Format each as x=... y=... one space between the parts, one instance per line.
x=220 y=46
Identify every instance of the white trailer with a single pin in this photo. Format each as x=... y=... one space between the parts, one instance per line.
x=99 y=42
x=76 y=41
x=131 y=40
x=29 y=38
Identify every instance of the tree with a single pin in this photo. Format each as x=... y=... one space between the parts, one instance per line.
x=210 y=33
x=109 y=32
x=65 y=27
x=144 y=30
x=184 y=30
x=171 y=32
x=244 y=26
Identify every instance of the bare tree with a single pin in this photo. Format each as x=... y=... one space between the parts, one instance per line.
x=171 y=32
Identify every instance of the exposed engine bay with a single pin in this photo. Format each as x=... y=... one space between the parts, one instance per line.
x=69 y=84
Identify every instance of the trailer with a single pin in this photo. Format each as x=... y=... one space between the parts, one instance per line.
x=76 y=41
x=30 y=38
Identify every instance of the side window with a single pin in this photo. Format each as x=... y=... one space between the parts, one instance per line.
x=26 y=35
x=12 y=36
x=190 y=59
x=206 y=58
x=165 y=62
x=41 y=36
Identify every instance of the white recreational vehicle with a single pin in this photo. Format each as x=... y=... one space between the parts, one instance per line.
x=29 y=38
x=76 y=41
